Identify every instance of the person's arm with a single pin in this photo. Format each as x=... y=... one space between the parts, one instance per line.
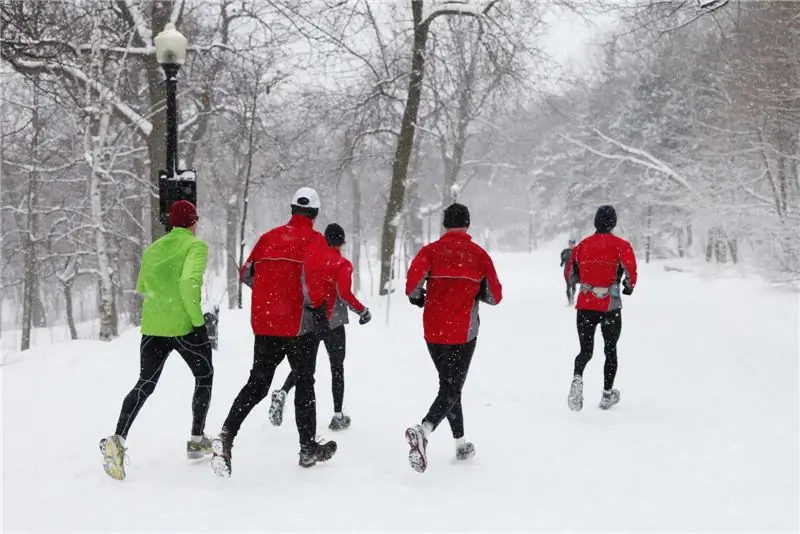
x=491 y=291
x=191 y=282
x=628 y=259
x=344 y=287
x=247 y=272
x=417 y=275
x=571 y=272
x=314 y=283
x=140 y=287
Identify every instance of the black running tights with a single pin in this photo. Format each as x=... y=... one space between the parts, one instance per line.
x=153 y=353
x=611 y=327
x=452 y=364
x=268 y=353
x=335 y=344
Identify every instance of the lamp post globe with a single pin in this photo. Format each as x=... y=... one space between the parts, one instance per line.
x=170 y=46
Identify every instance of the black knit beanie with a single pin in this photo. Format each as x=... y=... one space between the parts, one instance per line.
x=456 y=216
x=606 y=219
x=334 y=235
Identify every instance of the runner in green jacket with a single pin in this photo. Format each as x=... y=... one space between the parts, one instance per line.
x=171 y=282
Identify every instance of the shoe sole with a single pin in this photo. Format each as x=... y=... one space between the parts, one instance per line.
x=336 y=428
x=604 y=406
x=276 y=409
x=197 y=455
x=324 y=458
x=468 y=456
x=416 y=456
x=218 y=463
x=575 y=401
x=111 y=463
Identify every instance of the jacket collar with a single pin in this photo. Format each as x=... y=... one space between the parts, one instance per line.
x=301 y=221
x=457 y=235
x=180 y=230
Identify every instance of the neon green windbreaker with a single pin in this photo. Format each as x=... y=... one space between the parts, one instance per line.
x=171 y=281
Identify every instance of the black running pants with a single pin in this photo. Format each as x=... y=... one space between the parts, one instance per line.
x=335 y=344
x=268 y=353
x=452 y=363
x=611 y=327
x=153 y=353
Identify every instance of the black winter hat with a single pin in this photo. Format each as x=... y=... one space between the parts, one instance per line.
x=334 y=235
x=606 y=219
x=456 y=216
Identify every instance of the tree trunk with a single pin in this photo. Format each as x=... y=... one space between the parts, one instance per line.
x=73 y=331
x=358 y=237
x=30 y=289
x=231 y=224
x=649 y=238
x=405 y=143
x=96 y=134
x=414 y=230
x=246 y=188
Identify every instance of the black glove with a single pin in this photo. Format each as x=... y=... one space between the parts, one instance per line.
x=321 y=324
x=365 y=316
x=626 y=287
x=200 y=334
x=419 y=300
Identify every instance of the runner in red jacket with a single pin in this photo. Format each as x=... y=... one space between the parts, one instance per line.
x=283 y=326
x=328 y=278
x=458 y=274
x=601 y=263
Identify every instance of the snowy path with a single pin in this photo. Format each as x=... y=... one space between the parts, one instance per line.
x=705 y=437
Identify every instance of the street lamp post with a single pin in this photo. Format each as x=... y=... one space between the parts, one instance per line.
x=173 y=183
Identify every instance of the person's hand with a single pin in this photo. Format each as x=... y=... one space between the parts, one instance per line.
x=365 y=316
x=419 y=300
x=200 y=333
x=320 y=320
x=626 y=288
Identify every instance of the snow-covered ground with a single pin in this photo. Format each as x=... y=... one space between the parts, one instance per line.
x=705 y=437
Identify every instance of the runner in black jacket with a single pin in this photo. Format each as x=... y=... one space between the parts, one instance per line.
x=565 y=255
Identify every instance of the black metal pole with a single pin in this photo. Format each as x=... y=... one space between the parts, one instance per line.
x=171 y=71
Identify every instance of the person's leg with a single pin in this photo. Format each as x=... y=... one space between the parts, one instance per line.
x=302 y=356
x=197 y=356
x=587 y=321
x=335 y=344
x=611 y=327
x=452 y=363
x=587 y=325
x=268 y=352
x=153 y=352
x=302 y=352
x=278 y=400
x=290 y=382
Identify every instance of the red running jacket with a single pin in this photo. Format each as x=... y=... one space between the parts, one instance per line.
x=459 y=274
x=599 y=263
x=274 y=271
x=329 y=278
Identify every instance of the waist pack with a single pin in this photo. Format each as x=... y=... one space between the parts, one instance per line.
x=601 y=292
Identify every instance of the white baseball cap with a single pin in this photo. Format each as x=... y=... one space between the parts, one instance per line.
x=305 y=197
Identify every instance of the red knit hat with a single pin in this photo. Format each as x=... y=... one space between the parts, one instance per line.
x=182 y=214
